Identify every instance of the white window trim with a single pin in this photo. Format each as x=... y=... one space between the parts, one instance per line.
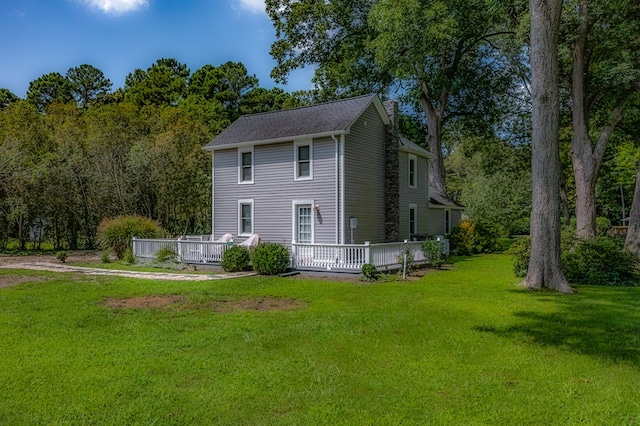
x=253 y=163
x=296 y=144
x=242 y=202
x=294 y=219
x=413 y=157
x=447 y=231
x=413 y=206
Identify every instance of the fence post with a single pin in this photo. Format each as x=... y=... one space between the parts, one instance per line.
x=133 y=246
x=367 y=252
x=180 y=248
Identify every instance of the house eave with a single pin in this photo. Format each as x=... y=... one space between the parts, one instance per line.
x=423 y=154
x=439 y=206
x=276 y=140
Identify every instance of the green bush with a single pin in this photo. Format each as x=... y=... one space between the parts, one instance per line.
x=433 y=251
x=165 y=254
x=62 y=256
x=104 y=257
x=117 y=234
x=128 y=256
x=370 y=272
x=521 y=252
x=520 y=226
x=270 y=258
x=602 y=225
x=235 y=259
x=600 y=261
x=597 y=261
x=470 y=237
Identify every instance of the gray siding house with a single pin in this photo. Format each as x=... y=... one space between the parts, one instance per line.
x=332 y=173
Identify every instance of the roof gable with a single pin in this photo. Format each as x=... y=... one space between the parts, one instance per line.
x=324 y=119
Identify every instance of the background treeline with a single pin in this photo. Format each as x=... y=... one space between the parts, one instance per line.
x=74 y=151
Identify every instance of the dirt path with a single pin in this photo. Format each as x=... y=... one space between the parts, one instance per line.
x=45 y=266
x=48 y=263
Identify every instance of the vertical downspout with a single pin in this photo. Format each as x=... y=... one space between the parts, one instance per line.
x=213 y=190
x=342 y=205
x=337 y=191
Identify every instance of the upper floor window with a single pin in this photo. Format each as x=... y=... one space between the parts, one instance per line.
x=245 y=165
x=303 y=160
x=413 y=171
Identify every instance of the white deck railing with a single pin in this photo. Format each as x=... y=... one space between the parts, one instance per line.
x=390 y=255
x=346 y=257
x=329 y=256
x=188 y=250
x=147 y=248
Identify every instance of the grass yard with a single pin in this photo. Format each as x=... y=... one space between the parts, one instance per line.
x=464 y=346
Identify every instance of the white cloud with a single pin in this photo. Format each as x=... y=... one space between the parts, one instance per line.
x=255 y=6
x=117 y=7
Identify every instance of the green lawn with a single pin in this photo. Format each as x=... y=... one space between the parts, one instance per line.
x=464 y=346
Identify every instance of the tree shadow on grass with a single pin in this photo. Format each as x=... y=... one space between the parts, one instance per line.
x=602 y=322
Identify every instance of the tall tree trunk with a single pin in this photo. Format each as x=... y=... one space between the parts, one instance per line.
x=544 y=264
x=586 y=157
x=564 y=200
x=437 y=174
x=632 y=243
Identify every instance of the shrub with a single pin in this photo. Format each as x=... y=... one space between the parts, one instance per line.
x=597 y=261
x=104 y=257
x=470 y=237
x=602 y=225
x=165 y=254
x=117 y=234
x=600 y=261
x=128 y=256
x=521 y=252
x=235 y=259
x=433 y=252
x=520 y=226
x=370 y=272
x=270 y=258
x=62 y=256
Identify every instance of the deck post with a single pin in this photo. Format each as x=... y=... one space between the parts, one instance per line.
x=367 y=252
x=180 y=247
x=293 y=254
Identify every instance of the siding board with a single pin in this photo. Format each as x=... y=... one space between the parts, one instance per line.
x=364 y=178
x=274 y=189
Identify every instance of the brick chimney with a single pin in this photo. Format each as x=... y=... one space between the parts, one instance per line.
x=392 y=175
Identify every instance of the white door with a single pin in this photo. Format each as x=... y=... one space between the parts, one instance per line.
x=303 y=223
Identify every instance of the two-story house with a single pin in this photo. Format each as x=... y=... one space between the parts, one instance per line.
x=332 y=173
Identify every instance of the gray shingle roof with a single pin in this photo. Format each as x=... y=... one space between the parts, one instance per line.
x=437 y=198
x=407 y=145
x=317 y=119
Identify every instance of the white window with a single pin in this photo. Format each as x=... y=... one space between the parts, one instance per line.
x=245 y=217
x=413 y=171
x=245 y=165
x=447 y=222
x=413 y=219
x=303 y=220
x=303 y=160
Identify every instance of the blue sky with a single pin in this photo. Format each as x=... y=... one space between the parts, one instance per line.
x=118 y=36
